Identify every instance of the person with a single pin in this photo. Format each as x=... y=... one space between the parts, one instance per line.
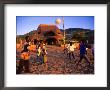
x=44 y=54
x=37 y=44
x=33 y=45
x=83 y=53
x=66 y=50
x=44 y=46
x=39 y=54
x=93 y=50
x=71 y=50
x=90 y=53
x=25 y=56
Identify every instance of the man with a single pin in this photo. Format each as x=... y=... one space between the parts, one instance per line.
x=83 y=53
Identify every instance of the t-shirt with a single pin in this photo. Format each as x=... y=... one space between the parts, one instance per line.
x=25 y=47
x=82 y=48
x=71 y=48
x=39 y=51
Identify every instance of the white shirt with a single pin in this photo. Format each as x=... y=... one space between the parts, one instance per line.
x=71 y=48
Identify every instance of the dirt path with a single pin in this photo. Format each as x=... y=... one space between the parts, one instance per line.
x=58 y=63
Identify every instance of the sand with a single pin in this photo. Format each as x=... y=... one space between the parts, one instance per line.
x=58 y=63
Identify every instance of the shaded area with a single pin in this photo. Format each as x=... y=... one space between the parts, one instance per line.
x=51 y=41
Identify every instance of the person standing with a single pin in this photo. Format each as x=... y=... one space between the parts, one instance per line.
x=90 y=52
x=44 y=55
x=93 y=50
x=83 y=53
x=71 y=50
x=25 y=56
x=67 y=50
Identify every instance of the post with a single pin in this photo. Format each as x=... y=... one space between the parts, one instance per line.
x=64 y=31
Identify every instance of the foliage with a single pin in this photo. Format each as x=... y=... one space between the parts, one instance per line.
x=82 y=35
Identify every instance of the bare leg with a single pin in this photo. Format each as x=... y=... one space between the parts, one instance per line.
x=81 y=57
x=67 y=54
x=70 y=55
x=87 y=59
x=46 y=66
x=26 y=64
x=20 y=67
x=73 y=55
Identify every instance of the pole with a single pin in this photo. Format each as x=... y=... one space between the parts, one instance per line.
x=64 y=31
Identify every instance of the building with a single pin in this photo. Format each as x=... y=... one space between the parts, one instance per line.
x=50 y=34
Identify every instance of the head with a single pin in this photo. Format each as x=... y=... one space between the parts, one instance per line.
x=70 y=43
x=27 y=38
x=35 y=41
x=89 y=46
x=38 y=47
x=82 y=41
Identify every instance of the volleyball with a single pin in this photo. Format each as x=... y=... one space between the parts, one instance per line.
x=58 y=21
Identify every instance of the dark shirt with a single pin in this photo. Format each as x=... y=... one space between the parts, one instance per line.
x=82 y=49
x=25 y=48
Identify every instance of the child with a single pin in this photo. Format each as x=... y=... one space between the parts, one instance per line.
x=89 y=53
x=66 y=50
x=39 y=55
x=25 y=56
x=71 y=50
x=44 y=54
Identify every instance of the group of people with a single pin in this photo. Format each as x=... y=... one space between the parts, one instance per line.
x=41 y=55
x=86 y=51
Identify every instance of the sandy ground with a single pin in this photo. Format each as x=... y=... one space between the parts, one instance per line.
x=58 y=63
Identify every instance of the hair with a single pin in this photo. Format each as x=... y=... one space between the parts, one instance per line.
x=35 y=41
x=82 y=41
x=27 y=38
x=70 y=43
x=89 y=46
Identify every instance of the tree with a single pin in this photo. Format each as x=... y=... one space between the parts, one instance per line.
x=79 y=35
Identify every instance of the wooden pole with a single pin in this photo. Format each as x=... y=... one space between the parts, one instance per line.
x=64 y=31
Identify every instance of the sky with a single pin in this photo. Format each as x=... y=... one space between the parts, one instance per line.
x=25 y=24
